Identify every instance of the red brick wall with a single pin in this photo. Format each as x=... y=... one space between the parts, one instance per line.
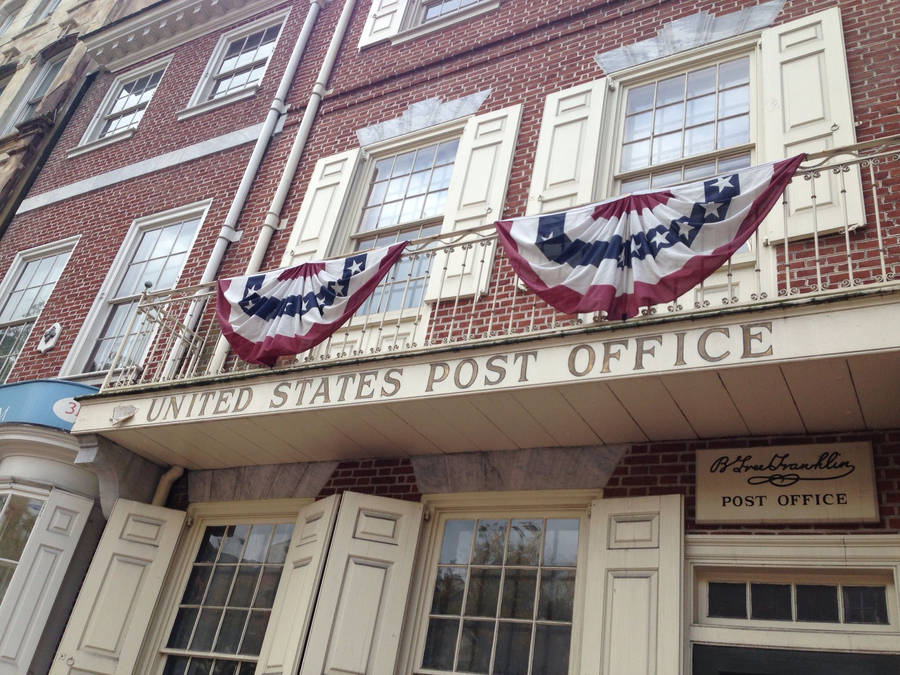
x=666 y=468
x=383 y=477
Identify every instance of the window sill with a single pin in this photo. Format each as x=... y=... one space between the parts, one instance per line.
x=90 y=146
x=199 y=109
x=413 y=32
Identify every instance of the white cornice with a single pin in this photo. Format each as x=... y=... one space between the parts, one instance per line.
x=148 y=33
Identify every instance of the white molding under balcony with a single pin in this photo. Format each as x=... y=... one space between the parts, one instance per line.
x=163 y=26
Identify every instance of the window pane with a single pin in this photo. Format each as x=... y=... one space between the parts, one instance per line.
x=268 y=585
x=670 y=90
x=639 y=99
x=638 y=126
x=484 y=586
x=734 y=101
x=700 y=110
x=440 y=644
x=448 y=590
x=207 y=624
x=701 y=81
x=230 y=632
x=518 y=594
x=635 y=155
x=176 y=665
x=557 y=595
x=6 y=572
x=16 y=524
x=490 y=540
x=734 y=131
x=770 y=601
x=561 y=544
x=513 y=649
x=734 y=72
x=219 y=585
x=551 y=650
x=524 y=546
x=256 y=630
x=196 y=586
x=865 y=604
x=668 y=118
x=457 y=541
x=699 y=139
x=281 y=539
x=475 y=646
x=817 y=603
x=244 y=585
x=258 y=543
x=727 y=600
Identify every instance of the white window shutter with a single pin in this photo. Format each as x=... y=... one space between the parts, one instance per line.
x=807 y=108
x=565 y=162
x=633 y=601
x=359 y=612
x=475 y=197
x=38 y=576
x=114 y=607
x=383 y=21
x=321 y=208
x=293 y=607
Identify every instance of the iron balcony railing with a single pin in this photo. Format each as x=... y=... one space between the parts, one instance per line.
x=174 y=335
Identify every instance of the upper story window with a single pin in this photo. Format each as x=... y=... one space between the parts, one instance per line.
x=18 y=513
x=237 y=65
x=157 y=258
x=123 y=107
x=406 y=198
x=400 y=20
x=702 y=113
x=32 y=277
x=43 y=10
x=8 y=13
x=504 y=596
x=35 y=92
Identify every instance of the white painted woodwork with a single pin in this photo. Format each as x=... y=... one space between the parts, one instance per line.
x=633 y=600
x=292 y=611
x=565 y=162
x=321 y=208
x=359 y=613
x=807 y=108
x=475 y=198
x=38 y=576
x=113 y=609
x=383 y=21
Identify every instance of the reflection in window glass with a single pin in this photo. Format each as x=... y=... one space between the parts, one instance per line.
x=17 y=517
x=437 y=8
x=225 y=607
x=503 y=596
x=244 y=62
x=132 y=100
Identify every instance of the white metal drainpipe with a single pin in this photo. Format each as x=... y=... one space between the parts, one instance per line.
x=273 y=216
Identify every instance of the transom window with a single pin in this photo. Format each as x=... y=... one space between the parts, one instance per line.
x=22 y=306
x=435 y=9
x=406 y=198
x=244 y=62
x=812 y=602
x=695 y=114
x=18 y=514
x=129 y=104
x=157 y=260
x=503 y=599
x=225 y=608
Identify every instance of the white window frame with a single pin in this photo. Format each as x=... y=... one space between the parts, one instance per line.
x=94 y=321
x=513 y=504
x=800 y=558
x=199 y=517
x=91 y=139
x=199 y=103
x=411 y=26
x=36 y=78
x=21 y=259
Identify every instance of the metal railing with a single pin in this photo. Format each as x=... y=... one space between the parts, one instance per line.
x=456 y=289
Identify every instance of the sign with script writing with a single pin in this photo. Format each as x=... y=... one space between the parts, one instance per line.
x=831 y=483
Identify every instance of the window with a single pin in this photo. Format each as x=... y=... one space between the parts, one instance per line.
x=44 y=9
x=809 y=600
x=8 y=14
x=124 y=105
x=18 y=514
x=702 y=113
x=223 y=613
x=35 y=93
x=501 y=584
x=401 y=20
x=406 y=198
x=156 y=258
x=237 y=65
x=32 y=277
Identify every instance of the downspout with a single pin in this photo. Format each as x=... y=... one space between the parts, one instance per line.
x=229 y=232
x=165 y=485
x=273 y=216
